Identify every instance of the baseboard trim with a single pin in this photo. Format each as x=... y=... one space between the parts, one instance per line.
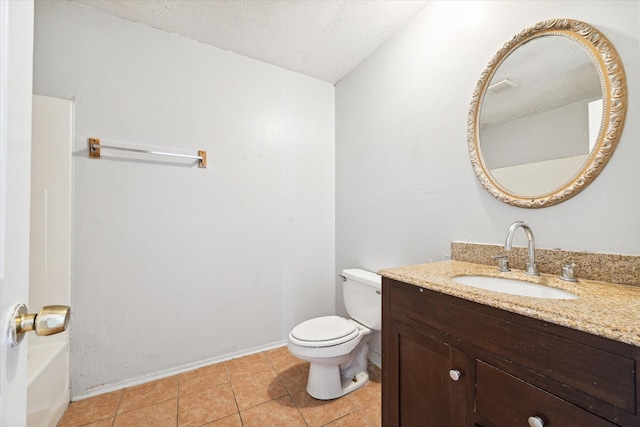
x=375 y=358
x=130 y=382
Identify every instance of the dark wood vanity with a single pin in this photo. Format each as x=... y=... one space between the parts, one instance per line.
x=448 y=361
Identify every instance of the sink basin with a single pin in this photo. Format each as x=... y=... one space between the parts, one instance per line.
x=514 y=287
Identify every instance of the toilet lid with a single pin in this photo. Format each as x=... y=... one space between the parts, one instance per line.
x=322 y=329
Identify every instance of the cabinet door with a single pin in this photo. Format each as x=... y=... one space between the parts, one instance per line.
x=421 y=383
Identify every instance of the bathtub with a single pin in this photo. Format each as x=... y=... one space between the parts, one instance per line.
x=48 y=391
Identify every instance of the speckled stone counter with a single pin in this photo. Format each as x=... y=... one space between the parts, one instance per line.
x=605 y=309
x=614 y=268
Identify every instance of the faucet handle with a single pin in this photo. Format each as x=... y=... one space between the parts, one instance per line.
x=568 y=272
x=503 y=262
x=532 y=269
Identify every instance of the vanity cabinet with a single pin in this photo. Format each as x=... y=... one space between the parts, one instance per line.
x=447 y=361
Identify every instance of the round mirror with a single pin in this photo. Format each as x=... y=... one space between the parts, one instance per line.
x=547 y=113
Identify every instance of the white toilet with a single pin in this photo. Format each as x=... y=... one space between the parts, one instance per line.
x=336 y=347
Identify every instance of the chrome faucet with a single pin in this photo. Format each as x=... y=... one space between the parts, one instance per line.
x=532 y=265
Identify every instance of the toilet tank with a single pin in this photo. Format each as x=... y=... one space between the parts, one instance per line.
x=362 y=293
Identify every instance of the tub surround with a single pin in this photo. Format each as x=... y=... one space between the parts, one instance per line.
x=48 y=391
x=612 y=268
x=604 y=309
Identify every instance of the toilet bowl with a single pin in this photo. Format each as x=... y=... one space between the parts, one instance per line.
x=337 y=348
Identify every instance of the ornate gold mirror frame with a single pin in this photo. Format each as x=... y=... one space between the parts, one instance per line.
x=614 y=93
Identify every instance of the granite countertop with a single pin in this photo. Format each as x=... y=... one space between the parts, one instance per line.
x=604 y=309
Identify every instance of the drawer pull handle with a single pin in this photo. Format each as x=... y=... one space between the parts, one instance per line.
x=535 y=422
x=454 y=374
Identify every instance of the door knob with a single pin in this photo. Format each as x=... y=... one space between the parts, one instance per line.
x=52 y=319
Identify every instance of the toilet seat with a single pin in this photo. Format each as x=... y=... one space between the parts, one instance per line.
x=323 y=332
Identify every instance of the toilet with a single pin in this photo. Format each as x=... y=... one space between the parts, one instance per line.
x=337 y=348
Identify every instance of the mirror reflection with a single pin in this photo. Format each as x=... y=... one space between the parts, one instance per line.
x=541 y=115
x=547 y=113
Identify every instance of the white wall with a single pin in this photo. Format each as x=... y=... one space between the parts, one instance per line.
x=175 y=265
x=404 y=183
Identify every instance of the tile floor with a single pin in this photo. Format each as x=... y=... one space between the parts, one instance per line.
x=263 y=389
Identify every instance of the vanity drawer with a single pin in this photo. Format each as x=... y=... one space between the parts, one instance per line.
x=504 y=400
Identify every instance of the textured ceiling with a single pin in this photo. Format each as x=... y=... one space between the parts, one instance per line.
x=324 y=39
x=550 y=72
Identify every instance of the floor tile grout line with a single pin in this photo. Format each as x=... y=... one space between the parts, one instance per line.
x=113 y=421
x=117 y=414
x=146 y=406
x=288 y=394
x=365 y=417
x=275 y=357
x=299 y=411
x=235 y=399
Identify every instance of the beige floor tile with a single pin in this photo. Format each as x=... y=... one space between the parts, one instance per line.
x=107 y=422
x=276 y=413
x=230 y=421
x=257 y=389
x=319 y=412
x=295 y=377
x=247 y=366
x=148 y=394
x=207 y=405
x=366 y=395
x=164 y=414
x=354 y=419
x=373 y=413
x=201 y=378
x=281 y=359
x=91 y=409
x=211 y=396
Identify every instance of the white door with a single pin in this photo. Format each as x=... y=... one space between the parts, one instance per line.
x=16 y=71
